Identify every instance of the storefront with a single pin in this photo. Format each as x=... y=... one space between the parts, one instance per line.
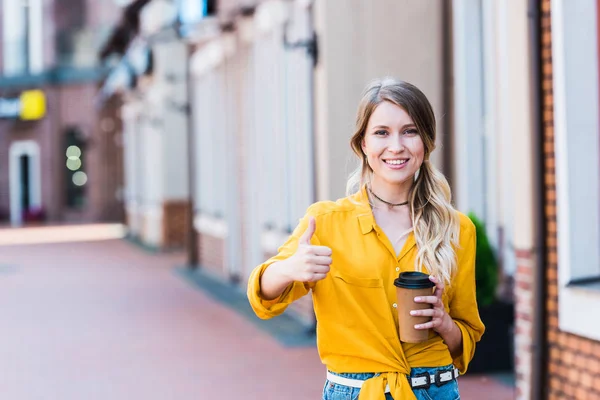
x=58 y=153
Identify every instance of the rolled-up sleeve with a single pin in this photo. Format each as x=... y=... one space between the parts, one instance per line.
x=266 y=309
x=463 y=305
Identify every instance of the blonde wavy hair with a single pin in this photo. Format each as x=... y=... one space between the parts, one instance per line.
x=436 y=223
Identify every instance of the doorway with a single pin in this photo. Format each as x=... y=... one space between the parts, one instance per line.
x=24 y=182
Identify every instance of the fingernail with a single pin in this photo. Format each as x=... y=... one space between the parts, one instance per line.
x=413 y=313
x=417 y=326
x=417 y=299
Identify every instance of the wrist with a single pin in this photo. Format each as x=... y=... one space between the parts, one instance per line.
x=448 y=325
x=281 y=270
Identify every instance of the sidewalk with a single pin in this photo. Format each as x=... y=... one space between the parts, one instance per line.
x=106 y=320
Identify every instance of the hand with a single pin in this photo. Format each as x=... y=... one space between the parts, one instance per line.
x=309 y=263
x=440 y=322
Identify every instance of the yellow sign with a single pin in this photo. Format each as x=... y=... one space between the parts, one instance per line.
x=33 y=105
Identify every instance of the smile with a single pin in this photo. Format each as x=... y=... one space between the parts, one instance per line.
x=396 y=162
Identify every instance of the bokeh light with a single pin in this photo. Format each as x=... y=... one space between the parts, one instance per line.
x=80 y=178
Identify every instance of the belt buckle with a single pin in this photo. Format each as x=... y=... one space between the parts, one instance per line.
x=427 y=379
x=438 y=377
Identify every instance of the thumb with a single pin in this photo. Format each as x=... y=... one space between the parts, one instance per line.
x=309 y=232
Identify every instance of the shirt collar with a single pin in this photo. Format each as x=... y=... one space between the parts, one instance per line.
x=363 y=211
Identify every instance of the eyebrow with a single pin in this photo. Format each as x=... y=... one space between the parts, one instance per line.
x=387 y=127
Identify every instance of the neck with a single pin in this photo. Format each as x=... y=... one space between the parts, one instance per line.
x=392 y=193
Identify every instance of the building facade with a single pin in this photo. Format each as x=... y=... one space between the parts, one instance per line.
x=571 y=192
x=272 y=88
x=65 y=165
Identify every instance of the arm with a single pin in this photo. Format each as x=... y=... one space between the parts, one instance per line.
x=441 y=321
x=291 y=273
x=460 y=327
x=274 y=280
x=453 y=338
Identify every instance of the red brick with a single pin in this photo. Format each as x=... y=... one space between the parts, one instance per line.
x=555 y=353
x=581 y=393
x=586 y=380
x=555 y=384
x=568 y=358
x=597 y=384
x=175 y=224
x=553 y=292
x=585 y=346
x=570 y=389
x=552 y=336
x=546 y=37
x=596 y=350
x=545 y=6
x=594 y=367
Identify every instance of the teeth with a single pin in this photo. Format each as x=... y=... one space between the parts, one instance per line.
x=396 y=162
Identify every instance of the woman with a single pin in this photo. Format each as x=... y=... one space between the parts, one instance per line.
x=399 y=218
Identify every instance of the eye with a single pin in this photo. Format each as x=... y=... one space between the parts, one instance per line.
x=411 y=132
x=380 y=132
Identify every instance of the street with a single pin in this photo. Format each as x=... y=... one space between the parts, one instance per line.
x=105 y=319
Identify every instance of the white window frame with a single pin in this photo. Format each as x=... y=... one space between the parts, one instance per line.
x=31 y=26
x=577 y=144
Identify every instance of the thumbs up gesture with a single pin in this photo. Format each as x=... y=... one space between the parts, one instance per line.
x=309 y=263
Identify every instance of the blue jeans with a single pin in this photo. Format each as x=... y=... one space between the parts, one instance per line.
x=448 y=391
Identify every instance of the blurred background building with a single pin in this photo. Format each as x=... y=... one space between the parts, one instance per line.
x=235 y=115
x=63 y=161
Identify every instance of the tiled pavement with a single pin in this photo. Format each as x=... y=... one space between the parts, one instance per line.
x=106 y=320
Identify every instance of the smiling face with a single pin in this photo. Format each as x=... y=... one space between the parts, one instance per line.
x=393 y=145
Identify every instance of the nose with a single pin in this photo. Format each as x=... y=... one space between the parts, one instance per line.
x=396 y=145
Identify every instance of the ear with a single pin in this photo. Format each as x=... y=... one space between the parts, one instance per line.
x=363 y=146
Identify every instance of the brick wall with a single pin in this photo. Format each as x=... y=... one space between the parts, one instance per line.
x=523 y=324
x=175 y=224
x=211 y=253
x=573 y=361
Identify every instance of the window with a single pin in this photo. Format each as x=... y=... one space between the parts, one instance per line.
x=190 y=12
x=22 y=35
x=577 y=149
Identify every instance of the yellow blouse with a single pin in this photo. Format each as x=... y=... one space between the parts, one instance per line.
x=355 y=305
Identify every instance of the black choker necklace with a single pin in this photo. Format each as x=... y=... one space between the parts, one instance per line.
x=386 y=202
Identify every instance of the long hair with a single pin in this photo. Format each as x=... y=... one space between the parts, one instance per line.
x=436 y=223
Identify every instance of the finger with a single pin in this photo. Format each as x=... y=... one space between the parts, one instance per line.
x=321 y=250
x=319 y=269
x=309 y=232
x=428 y=312
x=428 y=325
x=317 y=277
x=439 y=286
x=321 y=260
x=427 y=299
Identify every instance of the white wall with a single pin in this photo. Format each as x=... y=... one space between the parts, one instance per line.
x=169 y=93
x=132 y=179
x=469 y=187
x=361 y=41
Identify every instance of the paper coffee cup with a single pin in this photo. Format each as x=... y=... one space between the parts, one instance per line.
x=408 y=286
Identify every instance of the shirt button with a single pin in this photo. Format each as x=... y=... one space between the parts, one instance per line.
x=395 y=305
x=397 y=269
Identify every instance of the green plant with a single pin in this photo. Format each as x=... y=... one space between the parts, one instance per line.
x=486 y=266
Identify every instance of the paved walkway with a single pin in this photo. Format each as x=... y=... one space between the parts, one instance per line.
x=106 y=320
